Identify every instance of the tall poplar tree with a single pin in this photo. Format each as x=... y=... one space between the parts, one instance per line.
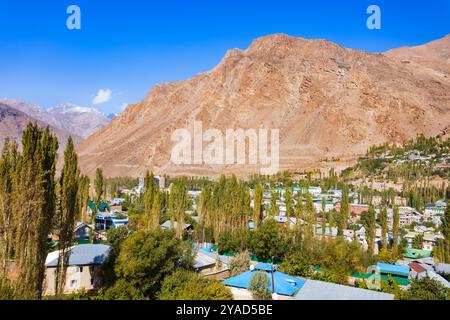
x=289 y=209
x=153 y=222
x=148 y=197
x=446 y=233
x=7 y=172
x=395 y=230
x=68 y=195
x=298 y=211
x=274 y=209
x=257 y=205
x=344 y=212
x=98 y=184
x=370 y=226
x=384 y=227
x=34 y=208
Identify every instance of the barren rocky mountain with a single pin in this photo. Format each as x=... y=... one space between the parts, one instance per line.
x=13 y=121
x=434 y=55
x=79 y=121
x=327 y=100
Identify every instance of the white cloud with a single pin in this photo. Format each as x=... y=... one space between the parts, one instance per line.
x=103 y=95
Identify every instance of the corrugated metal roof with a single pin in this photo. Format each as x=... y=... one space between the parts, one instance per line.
x=284 y=284
x=443 y=268
x=433 y=275
x=203 y=260
x=320 y=290
x=166 y=225
x=81 y=255
x=393 y=269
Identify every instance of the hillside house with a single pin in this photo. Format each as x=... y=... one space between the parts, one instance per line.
x=83 y=272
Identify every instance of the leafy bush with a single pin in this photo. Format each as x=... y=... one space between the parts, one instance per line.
x=187 y=285
x=259 y=283
x=239 y=264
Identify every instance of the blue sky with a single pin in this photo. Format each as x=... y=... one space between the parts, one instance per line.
x=129 y=46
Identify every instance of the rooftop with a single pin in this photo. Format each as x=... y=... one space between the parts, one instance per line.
x=320 y=290
x=393 y=269
x=81 y=255
x=284 y=284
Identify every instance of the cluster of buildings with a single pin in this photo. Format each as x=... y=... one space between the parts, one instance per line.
x=85 y=258
x=331 y=201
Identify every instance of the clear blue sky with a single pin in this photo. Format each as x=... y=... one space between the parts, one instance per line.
x=129 y=46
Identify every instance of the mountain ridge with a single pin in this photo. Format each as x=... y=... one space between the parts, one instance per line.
x=327 y=101
x=77 y=120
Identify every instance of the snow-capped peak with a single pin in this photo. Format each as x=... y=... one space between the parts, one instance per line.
x=72 y=108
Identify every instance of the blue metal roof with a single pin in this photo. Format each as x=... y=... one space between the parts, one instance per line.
x=284 y=284
x=81 y=255
x=393 y=269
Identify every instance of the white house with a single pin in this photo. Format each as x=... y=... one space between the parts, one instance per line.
x=82 y=271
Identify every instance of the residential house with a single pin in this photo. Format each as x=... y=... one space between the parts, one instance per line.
x=83 y=268
x=188 y=228
x=285 y=286
x=107 y=220
x=208 y=263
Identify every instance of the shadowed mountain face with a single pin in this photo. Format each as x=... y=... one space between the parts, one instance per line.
x=327 y=100
x=13 y=122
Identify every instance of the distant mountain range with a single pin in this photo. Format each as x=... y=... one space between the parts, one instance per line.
x=327 y=100
x=65 y=120
x=13 y=121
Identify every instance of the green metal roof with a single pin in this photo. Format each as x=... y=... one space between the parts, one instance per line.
x=398 y=280
x=416 y=253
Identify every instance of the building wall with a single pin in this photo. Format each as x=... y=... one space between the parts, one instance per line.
x=244 y=294
x=77 y=278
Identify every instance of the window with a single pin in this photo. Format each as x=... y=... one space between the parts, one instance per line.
x=80 y=269
x=73 y=283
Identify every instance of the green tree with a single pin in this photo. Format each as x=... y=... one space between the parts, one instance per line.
x=147 y=257
x=343 y=213
x=417 y=242
x=446 y=233
x=34 y=207
x=384 y=228
x=99 y=184
x=370 y=226
x=122 y=290
x=188 y=285
x=259 y=286
x=268 y=241
x=83 y=197
x=240 y=263
x=298 y=212
x=7 y=172
x=116 y=237
x=148 y=200
x=289 y=205
x=274 y=208
x=68 y=195
x=426 y=289
x=257 y=205
x=395 y=230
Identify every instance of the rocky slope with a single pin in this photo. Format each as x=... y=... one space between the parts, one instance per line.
x=327 y=100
